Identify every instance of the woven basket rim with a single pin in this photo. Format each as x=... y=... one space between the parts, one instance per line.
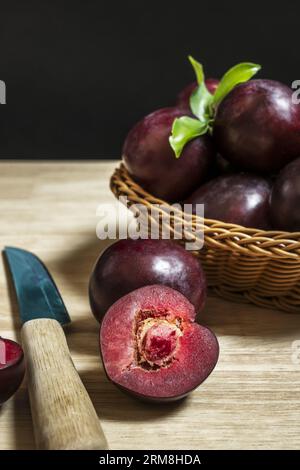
x=217 y=234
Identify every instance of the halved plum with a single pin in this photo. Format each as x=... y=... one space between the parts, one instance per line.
x=12 y=368
x=151 y=346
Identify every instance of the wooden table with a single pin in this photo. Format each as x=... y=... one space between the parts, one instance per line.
x=251 y=401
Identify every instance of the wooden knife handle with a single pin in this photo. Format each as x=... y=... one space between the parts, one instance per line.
x=63 y=415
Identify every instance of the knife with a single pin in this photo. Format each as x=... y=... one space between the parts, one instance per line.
x=63 y=415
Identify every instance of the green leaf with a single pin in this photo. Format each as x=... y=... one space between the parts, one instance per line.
x=201 y=99
x=238 y=74
x=200 y=102
x=185 y=129
x=198 y=69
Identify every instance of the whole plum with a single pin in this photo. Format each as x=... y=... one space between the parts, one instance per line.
x=129 y=264
x=257 y=126
x=241 y=199
x=285 y=199
x=150 y=159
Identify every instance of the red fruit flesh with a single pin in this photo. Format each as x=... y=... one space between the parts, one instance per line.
x=9 y=353
x=12 y=368
x=129 y=264
x=241 y=199
x=151 y=161
x=152 y=347
x=183 y=98
x=257 y=126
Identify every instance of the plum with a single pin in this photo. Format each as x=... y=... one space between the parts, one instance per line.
x=129 y=264
x=150 y=159
x=241 y=199
x=12 y=368
x=151 y=346
x=183 y=98
x=257 y=126
x=212 y=84
x=285 y=198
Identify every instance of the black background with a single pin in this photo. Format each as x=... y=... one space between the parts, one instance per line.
x=80 y=73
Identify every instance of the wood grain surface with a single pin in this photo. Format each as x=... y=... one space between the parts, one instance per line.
x=252 y=399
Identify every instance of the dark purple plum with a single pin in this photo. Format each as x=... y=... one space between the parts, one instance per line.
x=285 y=199
x=151 y=161
x=257 y=126
x=241 y=199
x=183 y=98
x=129 y=264
x=12 y=368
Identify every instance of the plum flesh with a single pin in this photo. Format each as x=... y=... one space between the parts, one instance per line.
x=151 y=161
x=241 y=199
x=151 y=346
x=12 y=368
x=285 y=199
x=129 y=264
x=183 y=98
x=257 y=126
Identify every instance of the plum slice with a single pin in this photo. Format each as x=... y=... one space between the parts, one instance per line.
x=12 y=368
x=151 y=346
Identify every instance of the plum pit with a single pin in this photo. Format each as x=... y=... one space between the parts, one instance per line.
x=157 y=341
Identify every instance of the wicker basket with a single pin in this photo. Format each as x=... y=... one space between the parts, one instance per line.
x=241 y=264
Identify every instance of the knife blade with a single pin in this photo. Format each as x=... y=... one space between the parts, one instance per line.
x=62 y=412
x=36 y=290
